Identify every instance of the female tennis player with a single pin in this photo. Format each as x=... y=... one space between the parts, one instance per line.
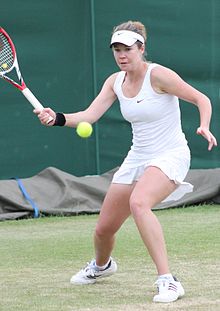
x=159 y=158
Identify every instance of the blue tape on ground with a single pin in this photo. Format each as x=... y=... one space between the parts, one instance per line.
x=27 y=197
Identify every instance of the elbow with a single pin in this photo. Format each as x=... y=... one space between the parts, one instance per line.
x=203 y=100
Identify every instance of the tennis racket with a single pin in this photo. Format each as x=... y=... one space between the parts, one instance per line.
x=8 y=62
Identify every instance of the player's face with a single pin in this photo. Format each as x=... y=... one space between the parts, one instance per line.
x=127 y=57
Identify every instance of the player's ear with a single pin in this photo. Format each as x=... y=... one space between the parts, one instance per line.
x=142 y=48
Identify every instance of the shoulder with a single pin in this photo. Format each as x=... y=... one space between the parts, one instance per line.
x=110 y=81
x=162 y=76
x=159 y=70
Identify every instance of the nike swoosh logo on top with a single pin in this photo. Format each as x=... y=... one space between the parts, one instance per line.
x=140 y=100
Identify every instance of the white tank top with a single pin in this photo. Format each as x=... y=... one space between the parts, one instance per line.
x=154 y=118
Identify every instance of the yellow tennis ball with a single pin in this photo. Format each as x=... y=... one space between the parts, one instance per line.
x=84 y=129
x=4 y=66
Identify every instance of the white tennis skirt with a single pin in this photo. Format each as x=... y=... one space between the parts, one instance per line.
x=174 y=164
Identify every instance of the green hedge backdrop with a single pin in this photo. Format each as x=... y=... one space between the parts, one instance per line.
x=64 y=55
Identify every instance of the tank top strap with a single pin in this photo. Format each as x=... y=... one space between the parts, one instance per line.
x=118 y=83
x=150 y=67
x=147 y=81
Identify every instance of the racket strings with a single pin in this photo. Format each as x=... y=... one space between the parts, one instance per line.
x=6 y=54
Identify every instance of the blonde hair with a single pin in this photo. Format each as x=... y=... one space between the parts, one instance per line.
x=134 y=26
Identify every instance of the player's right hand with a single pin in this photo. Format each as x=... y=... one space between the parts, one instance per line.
x=45 y=115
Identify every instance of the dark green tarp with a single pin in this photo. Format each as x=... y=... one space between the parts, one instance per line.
x=59 y=193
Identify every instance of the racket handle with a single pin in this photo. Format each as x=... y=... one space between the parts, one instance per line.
x=34 y=101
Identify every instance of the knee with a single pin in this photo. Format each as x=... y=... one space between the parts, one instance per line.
x=138 y=206
x=102 y=231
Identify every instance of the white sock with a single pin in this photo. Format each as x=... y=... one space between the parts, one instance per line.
x=165 y=276
x=102 y=267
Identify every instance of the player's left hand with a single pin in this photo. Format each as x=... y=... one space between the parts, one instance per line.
x=208 y=136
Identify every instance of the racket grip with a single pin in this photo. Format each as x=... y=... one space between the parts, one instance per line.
x=34 y=101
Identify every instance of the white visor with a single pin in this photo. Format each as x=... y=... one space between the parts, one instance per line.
x=126 y=37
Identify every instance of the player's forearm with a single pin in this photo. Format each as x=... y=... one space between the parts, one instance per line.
x=73 y=119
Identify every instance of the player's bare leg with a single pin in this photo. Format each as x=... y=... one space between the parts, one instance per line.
x=113 y=213
x=151 y=189
x=115 y=210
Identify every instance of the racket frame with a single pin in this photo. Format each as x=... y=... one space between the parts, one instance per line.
x=21 y=85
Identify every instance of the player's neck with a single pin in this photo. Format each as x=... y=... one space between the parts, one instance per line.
x=138 y=73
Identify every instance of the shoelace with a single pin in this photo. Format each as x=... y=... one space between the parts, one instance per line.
x=165 y=284
x=162 y=284
x=89 y=269
x=160 y=281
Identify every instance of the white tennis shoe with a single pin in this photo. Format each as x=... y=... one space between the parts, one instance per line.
x=90 y=274
x=169 y=290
